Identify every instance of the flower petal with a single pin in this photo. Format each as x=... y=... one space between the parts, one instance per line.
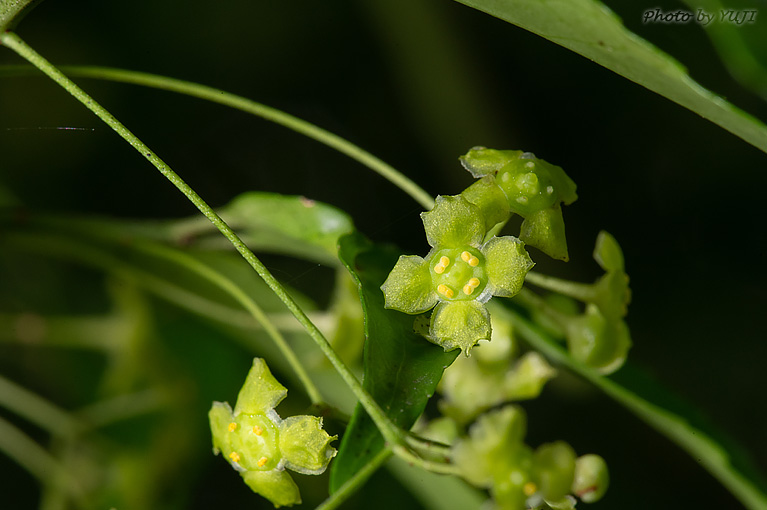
x=481 y=161
x=460 y=324
x=506 y=263
x=276 y=486
x=220 y=416
x=454 y=222
x=408 y=288
x=305 y=446
x=261 y=391
x=491 y=200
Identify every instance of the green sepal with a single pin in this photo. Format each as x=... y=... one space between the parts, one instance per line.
x=494 y=448
x=460 y=324
x=276 y=486
x=491 y=200
x=591 y=478
x=304 y=445
x=554 y=469
x=408 y=288
x=598 y=341
x=528 y=377
x=545 y=230
x=454 y=222
x=506 y=263
x=260 y=392
x=481 y=161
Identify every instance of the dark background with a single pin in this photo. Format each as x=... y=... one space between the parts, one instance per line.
x=417 y=83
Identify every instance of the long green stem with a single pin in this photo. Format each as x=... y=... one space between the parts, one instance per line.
x=32 y=457
x=355 y=482
x=265 y=112
x=390 y=432
x=36 y=409
x=577 y=290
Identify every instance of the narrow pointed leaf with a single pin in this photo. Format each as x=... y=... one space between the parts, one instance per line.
x=402 y=369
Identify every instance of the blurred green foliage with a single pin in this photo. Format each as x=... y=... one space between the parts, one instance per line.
x=416 y=83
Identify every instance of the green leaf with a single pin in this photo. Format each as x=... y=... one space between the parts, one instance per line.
x=589 y=28
x=402 y=369
x=286 y=224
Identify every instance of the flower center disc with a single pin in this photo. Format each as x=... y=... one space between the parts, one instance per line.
x=458 y=274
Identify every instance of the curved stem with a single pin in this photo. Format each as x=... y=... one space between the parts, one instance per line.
x=265 y=112
x=355 y=482
x=36 y=409
x=581 y=291
x=391 y=433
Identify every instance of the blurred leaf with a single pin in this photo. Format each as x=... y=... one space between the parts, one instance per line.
x=742 y=48
x=402 y=369
x=589 y=28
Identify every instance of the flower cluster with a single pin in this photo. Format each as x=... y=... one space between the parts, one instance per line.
x=494 y=456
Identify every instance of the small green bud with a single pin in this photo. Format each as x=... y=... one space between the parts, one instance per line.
x=554 y=470
x=591 y=478
x=598 y=341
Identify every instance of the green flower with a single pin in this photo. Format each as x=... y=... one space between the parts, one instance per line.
x=458 y=275
x=260 y=445
x=533 y=188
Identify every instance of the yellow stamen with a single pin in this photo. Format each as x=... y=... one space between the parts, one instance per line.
x=234 y=456
x=468 y=289
x=473 y=261
x=439 y=269
x=262 y=461
x=466 y=256
x=257 y=430
x=444 y=261
x=232 y=427
x=474 y=283
x=445 y=290
x=529 y=488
